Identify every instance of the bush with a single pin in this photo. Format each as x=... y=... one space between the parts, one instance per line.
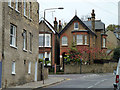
x=116 y=54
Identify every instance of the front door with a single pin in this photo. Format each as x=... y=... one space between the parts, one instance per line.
x=36 y=71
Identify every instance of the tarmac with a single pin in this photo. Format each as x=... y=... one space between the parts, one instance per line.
x=39 y=84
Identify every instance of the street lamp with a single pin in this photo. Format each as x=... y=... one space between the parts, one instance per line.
x=44 y=37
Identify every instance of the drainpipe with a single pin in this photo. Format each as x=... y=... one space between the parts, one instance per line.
x=89 y=47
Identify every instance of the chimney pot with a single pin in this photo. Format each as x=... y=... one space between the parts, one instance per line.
x=59 y=22
x=55 y=19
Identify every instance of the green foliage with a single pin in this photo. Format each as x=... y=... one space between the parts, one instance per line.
x=112 y=27
x=116 y=54
x=41 y=60
x=73 y=56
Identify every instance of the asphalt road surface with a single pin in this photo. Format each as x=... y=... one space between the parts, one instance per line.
x=87 y=81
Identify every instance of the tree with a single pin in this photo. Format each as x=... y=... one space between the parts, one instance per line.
x=112 y=27
x=116 y=54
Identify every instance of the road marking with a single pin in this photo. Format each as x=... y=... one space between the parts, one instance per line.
x=68 y=79
x=97 y=83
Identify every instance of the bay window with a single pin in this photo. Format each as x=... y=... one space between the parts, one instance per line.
x=79 y=39
x=45 y=42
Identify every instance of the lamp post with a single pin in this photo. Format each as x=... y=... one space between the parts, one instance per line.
x=44 y=37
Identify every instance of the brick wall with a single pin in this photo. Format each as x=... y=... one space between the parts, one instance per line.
x=95 y=68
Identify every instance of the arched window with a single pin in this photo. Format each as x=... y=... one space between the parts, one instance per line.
x=64 y=40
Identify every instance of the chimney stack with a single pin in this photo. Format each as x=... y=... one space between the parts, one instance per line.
x=89 y=19
x=60 y=26
x=55 y=24
x=93 y=19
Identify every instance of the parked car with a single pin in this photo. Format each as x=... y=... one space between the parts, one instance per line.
x=117 y=75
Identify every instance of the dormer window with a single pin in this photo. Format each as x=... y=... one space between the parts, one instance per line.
x=76 y=26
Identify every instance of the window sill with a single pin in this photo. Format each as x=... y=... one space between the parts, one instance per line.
x=17 y=11
x=82 y=45
x=25 y=16
x=24 y=50
x=30 y=52
x=45 y=46
x=13 y=46
x=76 y=28
x=104 y=48
x=13 y=73
x=30 y=19
x=29 y=73
x=64 y=45
x=10 y=7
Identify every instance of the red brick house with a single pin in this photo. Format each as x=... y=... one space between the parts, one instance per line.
x=47 y=44
x=86 y=34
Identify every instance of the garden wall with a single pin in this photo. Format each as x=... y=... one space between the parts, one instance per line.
x=94 y=68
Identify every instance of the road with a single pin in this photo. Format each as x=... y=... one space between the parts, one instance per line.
x=85 y=81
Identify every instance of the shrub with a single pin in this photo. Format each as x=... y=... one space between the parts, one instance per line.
x=116 y=54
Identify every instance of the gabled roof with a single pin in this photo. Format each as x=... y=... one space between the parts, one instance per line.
x=75 y=18
x=99 y=25
x=48 y=25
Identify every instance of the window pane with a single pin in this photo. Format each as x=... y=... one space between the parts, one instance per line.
x=104 y=42
x=29 y=67
x=41 y=40
x=64 y=40
x=13 y=35
x=24 y=39
x=16 y=4
x=48 y=42
x=41 y=55
x=76 y=26
x=80 y=39
x=73 y=38
x=13 y=67
x=85 y=39
x=11 y=29
x=24 y=8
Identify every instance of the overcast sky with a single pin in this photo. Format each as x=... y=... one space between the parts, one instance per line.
x=106 y=10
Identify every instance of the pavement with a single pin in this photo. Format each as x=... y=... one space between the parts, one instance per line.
x=39 y=84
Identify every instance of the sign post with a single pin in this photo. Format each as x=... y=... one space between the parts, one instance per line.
x=81 y=66
x=43 y=69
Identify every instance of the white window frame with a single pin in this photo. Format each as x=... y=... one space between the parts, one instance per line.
x=42 y=35
x=104 y=42
x=41 y=54
x=29 y=68
x=85 y=39
x=24 y=7
x=24 y=40
x=49 y=54
x=13 y=67
x=46 y=55
x=79 y=39
x=64 y=41
x=13 y=36
x=49 y=40
x=29 y=10
x=30 y=41
x=9 y=3
x=16 y=5
x=75 y=26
